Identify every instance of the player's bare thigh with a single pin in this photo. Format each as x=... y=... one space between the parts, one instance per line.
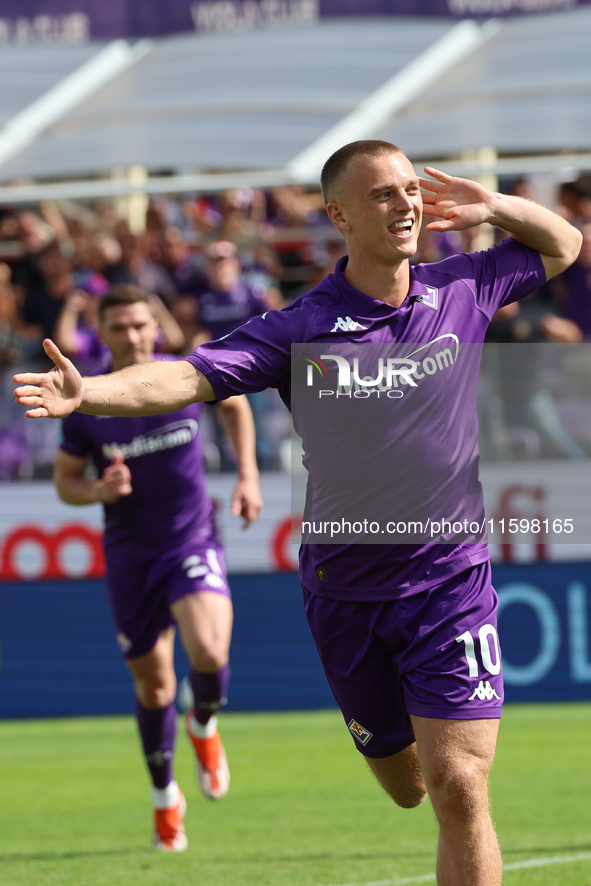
x=463 y=750
x=153 y=673
x=448 y=756
x=456 y=757
x=401 y=777
x=205 y=625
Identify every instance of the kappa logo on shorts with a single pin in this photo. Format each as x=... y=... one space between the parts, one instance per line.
x=357 y=731
x=484 y=692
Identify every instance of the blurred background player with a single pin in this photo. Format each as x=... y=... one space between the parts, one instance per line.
x=164 y=561
x=225 y=300
x=77 y=332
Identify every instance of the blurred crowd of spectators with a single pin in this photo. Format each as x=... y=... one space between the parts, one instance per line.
x=210 y=263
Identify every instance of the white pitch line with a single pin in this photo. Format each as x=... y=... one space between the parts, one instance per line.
x=543 y=862
x=514 y=866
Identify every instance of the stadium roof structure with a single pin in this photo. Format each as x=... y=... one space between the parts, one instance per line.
x=265 y=107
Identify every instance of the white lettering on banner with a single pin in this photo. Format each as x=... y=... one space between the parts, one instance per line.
x=544 y=661
x=30 y=512
x=550 y=634
x=243 y=15
x=71 y=28
x=503 y=7
x=579 y=642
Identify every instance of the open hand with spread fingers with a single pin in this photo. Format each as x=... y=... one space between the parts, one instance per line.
x=458 y=202
x=52 y=394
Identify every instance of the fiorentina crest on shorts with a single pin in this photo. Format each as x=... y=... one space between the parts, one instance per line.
x=357 y=731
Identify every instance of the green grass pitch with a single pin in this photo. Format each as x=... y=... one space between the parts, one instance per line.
x=303 y=809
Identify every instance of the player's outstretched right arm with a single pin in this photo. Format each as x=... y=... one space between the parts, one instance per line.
x=143 y=389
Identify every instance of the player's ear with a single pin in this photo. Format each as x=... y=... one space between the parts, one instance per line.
x=337 y=216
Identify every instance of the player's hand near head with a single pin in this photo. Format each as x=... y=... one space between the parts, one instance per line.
x=457 y=202
x=460 y=204
x=53 y=394
x=116 y=480
x=247 y=501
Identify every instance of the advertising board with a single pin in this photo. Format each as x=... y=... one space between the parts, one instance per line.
x=59 y=656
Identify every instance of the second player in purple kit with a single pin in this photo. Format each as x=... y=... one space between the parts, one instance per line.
x=164 y=561
x=406 y=633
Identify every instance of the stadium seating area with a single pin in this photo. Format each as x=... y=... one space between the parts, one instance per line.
x=57 y=257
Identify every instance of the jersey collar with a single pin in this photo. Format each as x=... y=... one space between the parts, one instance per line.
x=364 y=304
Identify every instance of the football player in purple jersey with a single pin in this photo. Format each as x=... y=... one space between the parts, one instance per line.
x=164 y=561
x=406 y=632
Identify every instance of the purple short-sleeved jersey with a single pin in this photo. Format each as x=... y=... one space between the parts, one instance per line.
x=577 y=307
x=169 y=505
x=91 y=357
x=456 y=298
x=222 y=312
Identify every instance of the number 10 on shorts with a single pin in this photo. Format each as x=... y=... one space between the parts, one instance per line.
x=485 y=634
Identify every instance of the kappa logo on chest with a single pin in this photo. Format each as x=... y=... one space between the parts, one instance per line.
x=347 y=324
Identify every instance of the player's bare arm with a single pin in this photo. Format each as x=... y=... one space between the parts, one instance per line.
x=74 y=488
x=142 y=389
x=238 y=424
x=459 y=204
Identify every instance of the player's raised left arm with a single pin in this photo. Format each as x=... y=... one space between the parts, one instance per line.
x=459 y=204
x=238 y=423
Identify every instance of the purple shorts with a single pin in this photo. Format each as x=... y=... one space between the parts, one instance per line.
x=141 y=597
x=434 y=654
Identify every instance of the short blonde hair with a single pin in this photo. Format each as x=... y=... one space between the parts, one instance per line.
x=338 y=163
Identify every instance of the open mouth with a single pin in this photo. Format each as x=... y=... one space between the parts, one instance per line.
x=402 y=228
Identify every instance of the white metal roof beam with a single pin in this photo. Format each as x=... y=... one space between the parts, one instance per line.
x=568 y=165
x=380 y=106
x=97 y=189
x=22 y=129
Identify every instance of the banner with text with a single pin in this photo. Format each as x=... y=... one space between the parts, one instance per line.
x=42 y=538
x=77 y=21
x=60 y=658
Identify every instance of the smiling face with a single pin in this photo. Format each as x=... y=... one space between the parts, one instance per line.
x=130 y=332
x=377 y=204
